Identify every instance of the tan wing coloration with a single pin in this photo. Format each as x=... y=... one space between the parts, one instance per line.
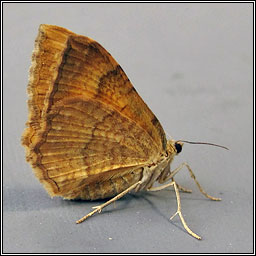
x=85 y=117
x=82 y=138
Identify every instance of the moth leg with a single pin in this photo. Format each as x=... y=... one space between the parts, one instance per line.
x=100 y=207
x=181 y=188
x=174 y=172
x=173 y=183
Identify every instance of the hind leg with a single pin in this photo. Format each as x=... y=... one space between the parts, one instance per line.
x=100 y=207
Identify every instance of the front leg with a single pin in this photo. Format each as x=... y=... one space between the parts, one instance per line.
x=175 y=171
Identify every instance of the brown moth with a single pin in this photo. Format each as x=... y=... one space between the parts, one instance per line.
x=89 y=135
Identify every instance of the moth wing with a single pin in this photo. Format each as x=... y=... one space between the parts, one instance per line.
x=82 y=138
x=65 y=65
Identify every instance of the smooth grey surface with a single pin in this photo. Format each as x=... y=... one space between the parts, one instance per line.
x=192 y=64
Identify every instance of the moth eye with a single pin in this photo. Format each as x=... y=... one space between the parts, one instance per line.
x=178 y=148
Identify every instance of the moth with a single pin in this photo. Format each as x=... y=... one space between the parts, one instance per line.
x=89 y=134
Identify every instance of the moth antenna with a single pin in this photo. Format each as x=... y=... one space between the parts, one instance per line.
x=204 y=143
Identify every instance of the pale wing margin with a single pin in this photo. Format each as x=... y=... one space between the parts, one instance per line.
x=47 y=55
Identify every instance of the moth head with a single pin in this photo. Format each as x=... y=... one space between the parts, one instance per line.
x=174 y=147
x=178 y=146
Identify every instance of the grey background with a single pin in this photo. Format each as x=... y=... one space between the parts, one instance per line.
x=192 y=64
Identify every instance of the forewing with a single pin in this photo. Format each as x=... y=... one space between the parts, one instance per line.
x=68 y=65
